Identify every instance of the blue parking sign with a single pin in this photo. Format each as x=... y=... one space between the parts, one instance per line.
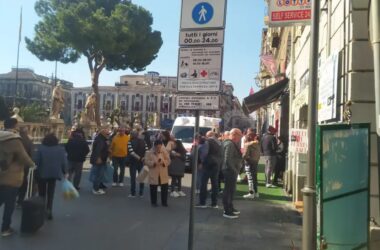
x=202 y=13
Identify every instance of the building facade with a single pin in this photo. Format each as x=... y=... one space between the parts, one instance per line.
x=151 y=96
x=33 y=88
x=343 y=36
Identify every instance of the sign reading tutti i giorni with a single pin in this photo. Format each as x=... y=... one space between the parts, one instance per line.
x=199 y=14
x=199 y=69
x=289 y=12
x=197 y=102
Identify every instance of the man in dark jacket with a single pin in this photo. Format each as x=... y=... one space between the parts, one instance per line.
x=99 y=157
x=13 y=160
x=232 y=161
x=210 y=168
x=77 y=149
x=136 y=151
x=269 y=151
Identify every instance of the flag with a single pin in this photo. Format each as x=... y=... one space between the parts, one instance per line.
x=20 y=28
x=251 y=91
x=269 y=63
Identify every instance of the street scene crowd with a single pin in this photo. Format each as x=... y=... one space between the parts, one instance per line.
x=152 y=160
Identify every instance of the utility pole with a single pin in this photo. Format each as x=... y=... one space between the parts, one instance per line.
x=375 y=40
x=190 y=242
x=309 y=193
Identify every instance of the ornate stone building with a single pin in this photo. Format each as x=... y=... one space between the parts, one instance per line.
x=151 y=96
x=33 y=88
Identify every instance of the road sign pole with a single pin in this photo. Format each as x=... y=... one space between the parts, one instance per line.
x=194 y=163
x=309 y=194
x=375 y=40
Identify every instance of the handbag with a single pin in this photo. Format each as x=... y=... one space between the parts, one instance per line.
x=177 y=167
x=108 y=174
x=142 y=176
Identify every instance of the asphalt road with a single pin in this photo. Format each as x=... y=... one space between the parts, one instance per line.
x=114 y=221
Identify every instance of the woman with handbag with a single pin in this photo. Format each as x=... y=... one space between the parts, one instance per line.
x=177 y=168
x=157 y=159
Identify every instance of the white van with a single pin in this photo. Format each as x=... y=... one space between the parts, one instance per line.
x=183 y=128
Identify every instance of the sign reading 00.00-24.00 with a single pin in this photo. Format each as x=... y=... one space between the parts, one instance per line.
x=201 y=37
x=199 y=69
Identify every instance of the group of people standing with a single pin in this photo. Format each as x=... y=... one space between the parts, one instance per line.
x=225 y=156
x=165 y=158
x=218 y=158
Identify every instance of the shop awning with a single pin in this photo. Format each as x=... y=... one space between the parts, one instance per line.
x=264 y=96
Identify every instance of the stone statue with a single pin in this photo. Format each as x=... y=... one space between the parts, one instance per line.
x=90 y=107
x=137 y=121
x=57 y=102
x=157 y=120
x=16 y=115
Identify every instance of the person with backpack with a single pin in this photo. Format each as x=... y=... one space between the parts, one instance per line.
x=251 y=159
x=210 y=168
x=13 y=160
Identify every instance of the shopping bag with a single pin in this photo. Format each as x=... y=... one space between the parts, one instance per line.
x=68 y=190
x=108 y=174
x=142 y=176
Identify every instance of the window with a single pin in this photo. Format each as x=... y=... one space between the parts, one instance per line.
x=80 y=104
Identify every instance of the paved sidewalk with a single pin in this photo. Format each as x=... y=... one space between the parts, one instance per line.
x=116 y=222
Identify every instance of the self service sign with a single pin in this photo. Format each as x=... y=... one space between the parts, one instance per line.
x=199 y=14
x=289 y=12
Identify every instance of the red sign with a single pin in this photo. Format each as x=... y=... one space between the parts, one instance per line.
x=291 y=15
x=289 y=12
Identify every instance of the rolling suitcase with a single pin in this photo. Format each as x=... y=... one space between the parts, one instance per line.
x=33 y=209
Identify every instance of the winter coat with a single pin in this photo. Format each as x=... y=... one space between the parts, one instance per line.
x=13 y=159
x=77 y=149
x=157 y=168
x=177 y=164
x=268 y=145
x=99 y=150
x=214 y=157
x=51 y=161
x=232 y=159
x=252 y=152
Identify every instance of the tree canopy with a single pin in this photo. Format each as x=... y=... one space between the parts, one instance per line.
x=111 y=34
